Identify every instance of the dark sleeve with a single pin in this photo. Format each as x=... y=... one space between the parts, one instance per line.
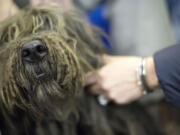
x=167 y=66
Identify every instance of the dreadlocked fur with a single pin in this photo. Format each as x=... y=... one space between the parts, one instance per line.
x=56 y=103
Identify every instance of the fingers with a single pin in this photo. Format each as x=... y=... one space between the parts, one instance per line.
x=96 y=89
x=93 y=83
x=91 y=78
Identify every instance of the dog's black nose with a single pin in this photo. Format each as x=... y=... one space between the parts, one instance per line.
x=34 y=51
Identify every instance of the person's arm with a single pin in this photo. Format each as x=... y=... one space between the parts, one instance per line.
x=117 y=80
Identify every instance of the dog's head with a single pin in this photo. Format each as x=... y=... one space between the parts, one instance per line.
x=44 y=53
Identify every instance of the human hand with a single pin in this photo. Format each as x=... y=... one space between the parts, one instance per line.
x=117 y=80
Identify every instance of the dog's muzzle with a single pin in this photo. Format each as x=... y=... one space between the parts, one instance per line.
x=34 y=52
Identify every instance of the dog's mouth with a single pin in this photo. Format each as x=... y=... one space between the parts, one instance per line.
x=40 y=74
x=38 y=71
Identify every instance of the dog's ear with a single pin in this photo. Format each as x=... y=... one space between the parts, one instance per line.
x=79 y=29
x=9 y=29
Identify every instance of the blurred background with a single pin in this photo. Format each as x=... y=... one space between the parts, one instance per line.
x=135 y=27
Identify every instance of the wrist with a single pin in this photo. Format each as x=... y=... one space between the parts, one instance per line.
x=151 y=77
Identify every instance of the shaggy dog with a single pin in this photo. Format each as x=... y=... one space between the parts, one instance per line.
x=44 y=54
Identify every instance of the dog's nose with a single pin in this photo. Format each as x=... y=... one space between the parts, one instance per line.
x=34 y=51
